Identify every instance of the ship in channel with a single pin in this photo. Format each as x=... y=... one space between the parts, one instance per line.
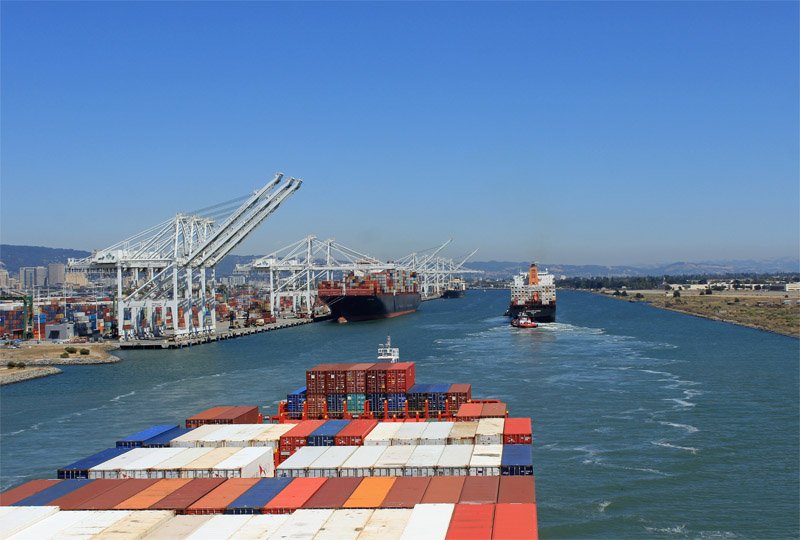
x=372 y=295
x=537 y=297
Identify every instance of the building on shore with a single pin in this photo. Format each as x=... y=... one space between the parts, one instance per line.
x=56 y=274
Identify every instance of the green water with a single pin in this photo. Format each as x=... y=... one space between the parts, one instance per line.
x=646 y=423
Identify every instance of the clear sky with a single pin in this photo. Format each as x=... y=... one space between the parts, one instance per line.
x=606 y=133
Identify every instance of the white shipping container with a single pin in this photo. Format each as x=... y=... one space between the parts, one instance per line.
x=110 y=468
x=261 y=526
x=218 y=437
x=423 y=460
x=246 y=434
x=409 y=433
x=94 y=522
x=344 y=524
x=271 y=436
x=382 y=434
x=189 y=440
x=462 y=433
x=136 y=525
x=428 y=521
x=251 y=462
x=393 y=461
x=220 y=527
x=486 y=459
x=17 y=518
x=201 y=467
x=50 y=527
x=436 y=432
x=303 y=524
x=328 y=464
x=362 y=461
x=490 y=431
x=297 y=464
x=141 y=467
x=386 y=524
x=454 y=460
x=172 y=467
x=178 y=527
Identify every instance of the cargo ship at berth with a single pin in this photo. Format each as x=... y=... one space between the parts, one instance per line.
x=363 y=451
x=373 y=295
x=537 y=296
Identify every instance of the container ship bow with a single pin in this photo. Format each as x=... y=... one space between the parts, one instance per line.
x=537 y=297
x=374 y=295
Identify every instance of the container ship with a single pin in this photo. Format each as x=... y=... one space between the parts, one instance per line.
x=374 y=295
x=363 y=451
x=456 y=288
x=537 y=297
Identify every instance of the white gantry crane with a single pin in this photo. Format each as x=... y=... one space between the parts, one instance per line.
x=295 y=270
x=434 y=273
x=165 y=275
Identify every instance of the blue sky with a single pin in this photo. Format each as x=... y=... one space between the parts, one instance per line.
x=604 y=133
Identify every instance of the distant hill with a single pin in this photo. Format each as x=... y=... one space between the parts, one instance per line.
x=15 y=257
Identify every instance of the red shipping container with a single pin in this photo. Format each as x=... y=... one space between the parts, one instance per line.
x=517 y=489
x=469 y=412
x=515 y=521
x=406 y=492
x=400 y=377
x=444 y=489
x=336 y=379
x=333 y=493
x=354 y=433
x=494 y=410
x=203 y=418
x=124 y=490
x=458 y=394
x=186 y=495
x=237 y=415
x=356 y=378
x=293 y=496
x=315 y=405
x=480 y=490
x=376 y=378
x=297 y=437
x=315 y=379
x=517 y=431
x=471 y=522
x=73 y=499
x=218 y=499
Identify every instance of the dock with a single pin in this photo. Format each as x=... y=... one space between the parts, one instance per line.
x=222 y=333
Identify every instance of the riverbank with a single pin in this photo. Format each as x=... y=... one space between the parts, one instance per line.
x=15 y=375
x=49 y=354
x=763 y=310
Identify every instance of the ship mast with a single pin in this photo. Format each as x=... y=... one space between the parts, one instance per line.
x=387 y=353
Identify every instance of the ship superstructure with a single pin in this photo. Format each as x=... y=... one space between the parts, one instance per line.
x=537 y=296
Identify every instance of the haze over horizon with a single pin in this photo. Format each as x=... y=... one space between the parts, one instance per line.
x=575 y=133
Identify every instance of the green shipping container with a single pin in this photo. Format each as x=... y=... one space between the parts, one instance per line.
x=355 y=403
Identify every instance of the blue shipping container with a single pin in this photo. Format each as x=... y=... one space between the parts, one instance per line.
x=257 y=497
x=44 y=497
x=323 y=435
x=376 y=402
x=295 y=400
x=80 y=469
x=417 y=395
x=397 y=402
x=137 y=439
x=437 y=396
x=336 y=402
x=517 y=460
x=162 y=441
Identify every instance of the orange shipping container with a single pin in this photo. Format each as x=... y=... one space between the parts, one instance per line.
x=151 y=495
x=515 y=521
x=370 y=492
x=218 y=499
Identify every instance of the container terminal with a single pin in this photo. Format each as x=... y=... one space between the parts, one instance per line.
x=361 y=451
x=160 y=284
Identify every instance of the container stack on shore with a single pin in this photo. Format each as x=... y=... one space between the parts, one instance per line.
x=228 y=474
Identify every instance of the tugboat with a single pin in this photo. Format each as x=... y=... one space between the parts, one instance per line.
x=524 y=320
